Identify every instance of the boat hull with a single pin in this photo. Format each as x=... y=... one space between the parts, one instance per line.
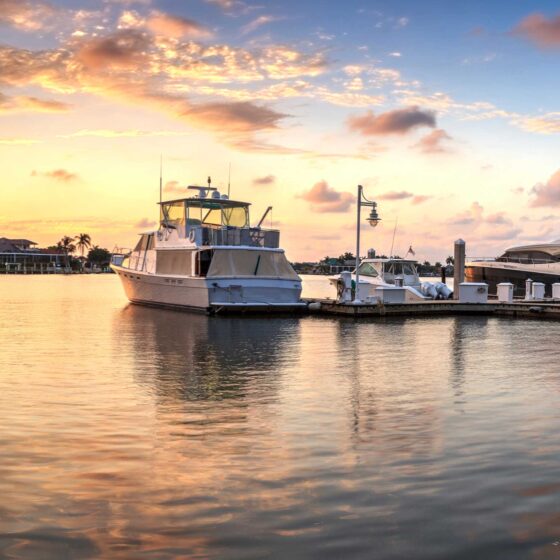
x=210 y=295
x=494 y=275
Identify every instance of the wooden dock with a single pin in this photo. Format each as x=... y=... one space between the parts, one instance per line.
x=520 y=309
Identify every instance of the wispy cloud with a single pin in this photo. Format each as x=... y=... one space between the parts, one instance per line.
x=543 y=32
x=547 y=194
x=176 y=26
x=436 y=142
x=420 y=199
x=395 y=195
x=324 y=198
x=266 y=180
x=26 y=15
x=399 y=121
x=259 y=22
x=61 y=175
x=24 y=103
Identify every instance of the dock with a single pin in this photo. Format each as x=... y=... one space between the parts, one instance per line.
x=518 y=309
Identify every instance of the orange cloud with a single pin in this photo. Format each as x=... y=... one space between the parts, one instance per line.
x=434 y=142
x=25 y=15
x=24 y=103
x=399 y=121
x=545 y=33
x=324 y=198
x=266 y=180
x=420 y=198
x=547 y=194
x=175 y=26
x=61 y=175
x=234 y=117
x=174 y=187
x=126 y=48
x=395 y=195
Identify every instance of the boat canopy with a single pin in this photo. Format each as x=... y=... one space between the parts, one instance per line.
x=251 y=263
x=542 y=252
x=209 y=212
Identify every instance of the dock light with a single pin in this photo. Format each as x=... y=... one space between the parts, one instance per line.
x=373 y=220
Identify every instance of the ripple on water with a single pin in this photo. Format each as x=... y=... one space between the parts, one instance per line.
x=128 y=432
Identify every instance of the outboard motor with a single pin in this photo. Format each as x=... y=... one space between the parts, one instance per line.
x=429 y=290
x=443 y=291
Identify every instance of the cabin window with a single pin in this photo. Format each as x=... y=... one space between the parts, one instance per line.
x=367 y=269
x=142 y=243
x=247 y=263
x=150 y=245
x=236 y=217
x=409 y=269
x=393 y=268
x=213 y=217
x=173 y=214
x=174 y=262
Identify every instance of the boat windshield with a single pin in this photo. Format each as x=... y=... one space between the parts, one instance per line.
x=400 y=269
x=367 y=269
x=205 y=212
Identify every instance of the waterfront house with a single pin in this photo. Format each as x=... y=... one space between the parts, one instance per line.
x=22 y=256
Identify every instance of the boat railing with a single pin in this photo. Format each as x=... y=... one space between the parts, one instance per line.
x=514 y=260
x=251 y=237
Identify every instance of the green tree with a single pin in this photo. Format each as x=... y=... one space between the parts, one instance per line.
x=450 y=260
x=83 y=242
x=98 y=256
x=66 y=245
x=346 y=257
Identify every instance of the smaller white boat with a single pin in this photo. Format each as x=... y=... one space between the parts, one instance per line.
x=391 y=272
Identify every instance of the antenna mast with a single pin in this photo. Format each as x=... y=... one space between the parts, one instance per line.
x=229 y=180
x=160 y=178
x=393 y=242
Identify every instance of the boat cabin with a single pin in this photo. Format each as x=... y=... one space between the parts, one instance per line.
x=387 y=270
x=215 y=220
x=532 y=254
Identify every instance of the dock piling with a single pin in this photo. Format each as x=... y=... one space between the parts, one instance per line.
x=459 y=267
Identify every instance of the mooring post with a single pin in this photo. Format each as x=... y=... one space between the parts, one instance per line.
x=459 y=267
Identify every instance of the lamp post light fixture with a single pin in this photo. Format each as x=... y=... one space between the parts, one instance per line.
x=373 y=220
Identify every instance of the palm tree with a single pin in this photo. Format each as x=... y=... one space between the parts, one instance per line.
x=450 y=260
x=66 y=244
x=83 y=242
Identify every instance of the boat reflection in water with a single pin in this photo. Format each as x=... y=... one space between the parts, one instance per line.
x=196 y=358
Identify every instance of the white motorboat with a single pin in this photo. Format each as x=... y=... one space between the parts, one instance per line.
x=391 y=272
x=205 y=256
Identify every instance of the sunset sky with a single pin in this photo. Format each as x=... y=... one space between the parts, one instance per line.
x=447 y=112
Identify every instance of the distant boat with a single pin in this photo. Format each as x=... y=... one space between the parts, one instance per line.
x=205 y=256
x=540 y=263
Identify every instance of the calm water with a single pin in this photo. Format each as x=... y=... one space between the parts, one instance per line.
x=137 y=433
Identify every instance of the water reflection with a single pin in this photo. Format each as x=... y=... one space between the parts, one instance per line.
x=191 y=357
x=129 y=432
